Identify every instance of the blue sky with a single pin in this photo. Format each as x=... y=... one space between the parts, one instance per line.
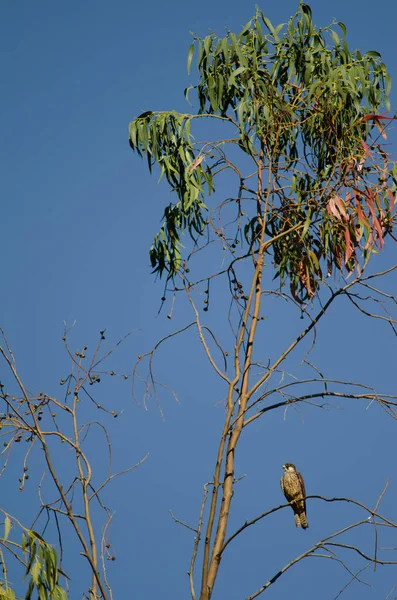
x=78 y=214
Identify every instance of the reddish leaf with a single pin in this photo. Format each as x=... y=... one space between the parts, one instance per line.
x=366 y=150
x=307 y=283
x=196 y=163
x=349 y=245
x=336 y=207
x=375 y=220
x=341 y=207
x=361 y=216
x=373 y=117
x=331 y=209
x=379 y=232
x=377 y=119
x=382 y=131
x=370 y=202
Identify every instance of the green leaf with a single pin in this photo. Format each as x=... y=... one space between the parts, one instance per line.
x=59 y=593
x=42 y=592
x=313 y=259
x=220 y=89
x=235 y=73
x=306 y=10
x=51 y=560
x=32 y=554
x=293 y=183
x=258 y=29
x=35 y=571
x=387 y=79
x=144 y=115
x=190 y=56
x=187 y=90
x=268 y=24
x=7 y=527
x=30 y=589
x=307 y=224
x=277 y=30
x=343 y=28
x=335 y=37
x=245 y=29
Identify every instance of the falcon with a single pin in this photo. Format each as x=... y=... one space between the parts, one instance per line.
x=293 y=488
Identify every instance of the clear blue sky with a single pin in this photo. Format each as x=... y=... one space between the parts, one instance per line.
x=78 y=214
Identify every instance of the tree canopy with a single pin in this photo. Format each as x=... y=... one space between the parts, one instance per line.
x=306 y=111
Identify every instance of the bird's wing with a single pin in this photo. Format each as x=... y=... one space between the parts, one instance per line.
x=302 y=484
x=288 y=491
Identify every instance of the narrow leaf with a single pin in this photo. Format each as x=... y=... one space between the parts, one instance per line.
x=187 y=90
x=233 y=76
x=35 y=571
x=335 y=38
x=374 y=117
x=196 y=163
x=349 y=245
x=382 y=131
x=366 y=149
x=392 y=200
x=306 y=10
x=190 y=56
x=268 y=24
x=7 y=527
x=343 y=28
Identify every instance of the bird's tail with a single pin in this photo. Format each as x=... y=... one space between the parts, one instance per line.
x=303 y=520
x=297 y=520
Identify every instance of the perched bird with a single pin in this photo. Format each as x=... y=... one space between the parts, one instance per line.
x=293 y=488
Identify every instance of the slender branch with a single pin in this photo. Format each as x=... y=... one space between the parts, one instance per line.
x=182 y=522
x=247 y=524
x=372 y=397
x=37 y=431
x=203 y=340
x=196 y=543
x=311 y=552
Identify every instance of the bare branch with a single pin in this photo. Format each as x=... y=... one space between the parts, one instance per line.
x=371 y=512
x=182 y=522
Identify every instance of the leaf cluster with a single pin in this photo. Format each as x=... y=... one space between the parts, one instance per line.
x=306 y=111
x=42 y=566
x=40 y=561
x=165 y=139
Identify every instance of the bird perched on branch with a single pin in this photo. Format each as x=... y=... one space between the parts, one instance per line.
x=293 y=488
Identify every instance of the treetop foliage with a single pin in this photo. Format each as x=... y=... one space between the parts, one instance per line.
x=307 y=112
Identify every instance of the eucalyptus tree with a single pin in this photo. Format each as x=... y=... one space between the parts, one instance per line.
x=297 y=131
